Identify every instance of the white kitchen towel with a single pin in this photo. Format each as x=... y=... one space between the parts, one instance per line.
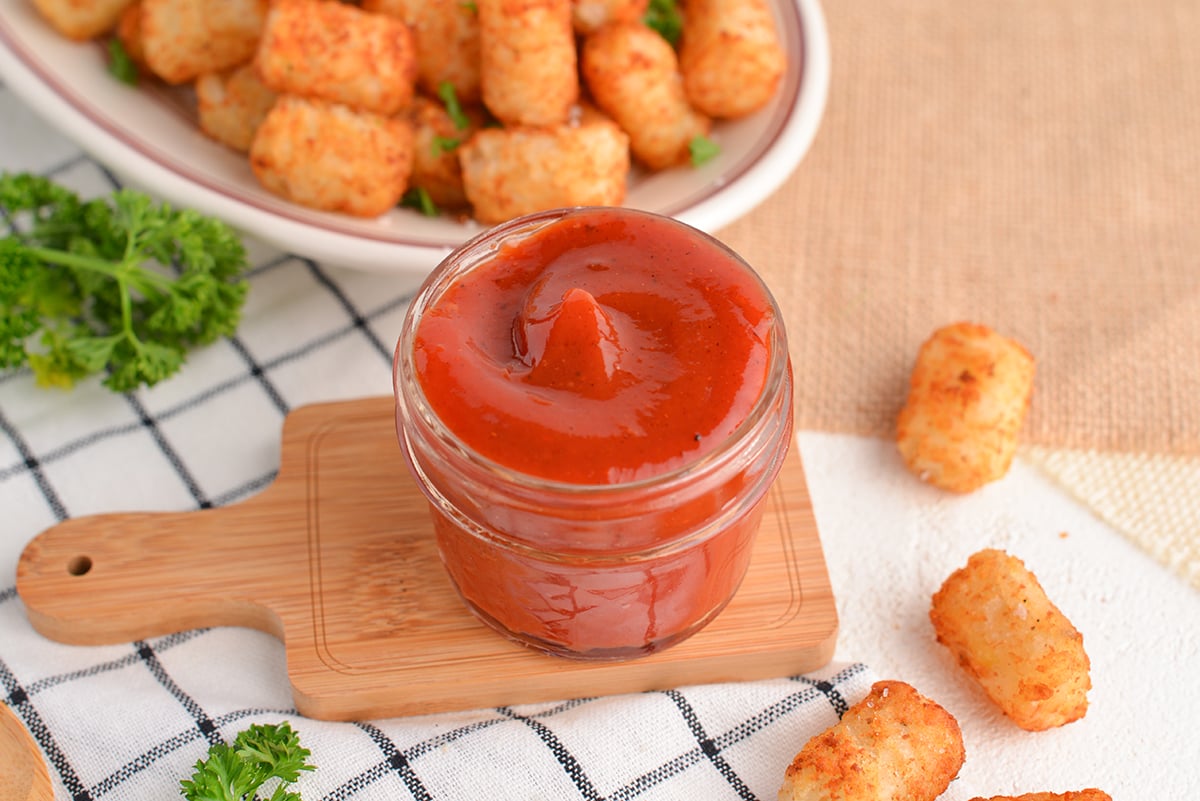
x=129 y=721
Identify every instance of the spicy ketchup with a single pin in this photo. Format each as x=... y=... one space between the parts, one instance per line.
x=595 y=402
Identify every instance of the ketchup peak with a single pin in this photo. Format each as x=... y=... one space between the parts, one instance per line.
x=571 y=346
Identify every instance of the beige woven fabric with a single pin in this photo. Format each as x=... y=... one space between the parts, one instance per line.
x=1154 y=499
x=1030 y=165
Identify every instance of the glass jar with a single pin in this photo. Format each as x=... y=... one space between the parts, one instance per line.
x=591 y=569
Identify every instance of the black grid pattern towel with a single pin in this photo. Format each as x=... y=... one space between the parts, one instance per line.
x=129 y=721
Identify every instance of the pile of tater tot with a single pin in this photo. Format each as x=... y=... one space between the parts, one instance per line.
x=969 y=392
x=477 y=108
x=898 y=745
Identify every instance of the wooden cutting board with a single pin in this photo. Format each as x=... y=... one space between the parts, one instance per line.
x=23 y=772
x=337 y=559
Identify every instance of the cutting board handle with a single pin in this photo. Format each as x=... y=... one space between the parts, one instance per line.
x=112 y=578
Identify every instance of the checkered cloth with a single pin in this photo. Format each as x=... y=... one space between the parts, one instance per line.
x=129 y=721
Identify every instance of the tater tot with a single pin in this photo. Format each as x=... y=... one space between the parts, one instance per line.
x=333 y=51
x=182 y=39
x=968 y=395
x=730 y=55
x=129 y=32
x=529 y=69
x=436 y=167
x=996 y=620
x=81 y=20
x=331 y=157
x=1074 y=795
x=894 y=745
x=515 y=171
x=447 y=42
x=231 y=105
x=633 y=75
x=589 y=16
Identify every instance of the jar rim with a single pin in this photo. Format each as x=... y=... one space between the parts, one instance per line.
x=412 y=401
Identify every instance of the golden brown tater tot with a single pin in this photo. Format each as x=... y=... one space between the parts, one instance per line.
x=447 y=40
x=996 y=620
x=129 y=31
x=515 y=171
x=436 y=167
x=894 y=745
x=331 y=157
x=81 y=20
x=730 y=56
x=231 y=105
x=529 y=69
x=589 y=16
x=633 y=74
x=968 y=394
x=182 y=39
x=336 y=52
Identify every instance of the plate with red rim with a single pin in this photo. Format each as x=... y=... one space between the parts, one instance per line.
x=148 y=135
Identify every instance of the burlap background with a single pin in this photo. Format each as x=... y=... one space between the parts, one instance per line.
x=1033 y=165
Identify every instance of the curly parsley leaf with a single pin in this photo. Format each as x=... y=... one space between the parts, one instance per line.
x=418 y=198
x=258 y=755
x=119 y=285
x=703 y=150
x=120 y=64
x=664 y=17
x=449 y=97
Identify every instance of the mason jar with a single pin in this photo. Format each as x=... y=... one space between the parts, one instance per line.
x=595 y=402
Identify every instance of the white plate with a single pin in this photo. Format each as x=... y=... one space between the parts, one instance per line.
x=149 y=136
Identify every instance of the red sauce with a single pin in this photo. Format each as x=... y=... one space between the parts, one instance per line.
x=603 y=348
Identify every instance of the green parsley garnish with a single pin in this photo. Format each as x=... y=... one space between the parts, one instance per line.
x=664 y=17
x=449 y=97
x=236 y=772
x=470 y=6
x=445 y=144
x=119 y=285
x=419 y=199
x=703 y=150
x=120 y=65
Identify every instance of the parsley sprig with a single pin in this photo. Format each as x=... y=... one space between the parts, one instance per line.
x=259 y=754
x=664 y=16
x=119 y=285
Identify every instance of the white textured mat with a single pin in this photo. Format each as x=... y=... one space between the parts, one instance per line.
x=890 y=542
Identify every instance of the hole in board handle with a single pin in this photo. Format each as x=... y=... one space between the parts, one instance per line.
x=79 y=565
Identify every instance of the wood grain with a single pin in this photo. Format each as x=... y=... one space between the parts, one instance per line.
x=337 y=559
x=23 y=773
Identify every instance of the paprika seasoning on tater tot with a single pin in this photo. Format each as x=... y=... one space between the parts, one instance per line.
x=528 y=64
x=996 y=620
x=329 y=50
x=508 y=172
x=182 y=39
x=1072 y=795
x=447 y=41
x=894 y=745
x=968 y=394
x=330 y=157
x=633 y=75
x=231 y=105
x=730 y=56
